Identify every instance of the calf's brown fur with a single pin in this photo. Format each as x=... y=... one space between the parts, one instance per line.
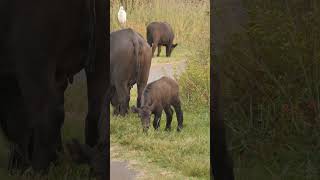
x=157 y=96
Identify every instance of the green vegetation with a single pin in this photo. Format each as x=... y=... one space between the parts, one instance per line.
x=182 y=155
x=160 y=154
x=271 y=91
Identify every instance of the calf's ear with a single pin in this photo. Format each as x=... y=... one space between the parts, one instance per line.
x=174 y=45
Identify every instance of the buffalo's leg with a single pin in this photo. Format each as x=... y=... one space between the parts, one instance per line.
x=61 y=87
x=123 y=96
x=169 y=113
x=38 y=89
x=114 y=102
x=11 y=111
x=179 y=114
x=159 y=50
x=97 y=85
x=155 y=44
x=157 y=118
x=168 y=49
x=95 y=97
x=17 y=160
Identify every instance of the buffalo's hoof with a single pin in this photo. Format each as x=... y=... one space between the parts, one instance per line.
x=134 y=109
x=17 y=163
x=156 y=128
x=179 y=129
x=115 y=113
x=167 y=129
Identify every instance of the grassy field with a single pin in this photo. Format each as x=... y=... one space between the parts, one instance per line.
x=160 y=154
x=175 y=155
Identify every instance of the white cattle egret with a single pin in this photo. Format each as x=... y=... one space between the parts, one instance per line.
x=122 y=16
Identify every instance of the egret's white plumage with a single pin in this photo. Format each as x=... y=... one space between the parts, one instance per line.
x=122 y=16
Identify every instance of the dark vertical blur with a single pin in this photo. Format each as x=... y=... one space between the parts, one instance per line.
x=226 y=18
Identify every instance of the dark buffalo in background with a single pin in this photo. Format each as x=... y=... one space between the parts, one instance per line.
x=227 y=18
x=43 y=44
x=130 y=61
x=158 y=96
x=160 y=34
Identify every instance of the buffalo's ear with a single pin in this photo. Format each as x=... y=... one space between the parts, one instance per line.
x=174 y=45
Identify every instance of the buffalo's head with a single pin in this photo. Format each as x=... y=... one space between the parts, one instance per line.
x=168 y=54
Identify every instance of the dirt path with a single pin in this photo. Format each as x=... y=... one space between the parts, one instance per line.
x=118 y=169
x=166 y=69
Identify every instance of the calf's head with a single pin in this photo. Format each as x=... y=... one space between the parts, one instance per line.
x=145 y=114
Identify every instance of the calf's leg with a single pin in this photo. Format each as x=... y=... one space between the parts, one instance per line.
x=157 y=118
x=179 y=114
x=169 y=113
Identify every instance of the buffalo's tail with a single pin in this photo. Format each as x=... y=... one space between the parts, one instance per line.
x=137 y=51
x=149 y=38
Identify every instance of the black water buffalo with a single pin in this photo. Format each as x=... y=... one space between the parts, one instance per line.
x=160 y=34
x=43 y=44
x=157 y=96
x=130 y=61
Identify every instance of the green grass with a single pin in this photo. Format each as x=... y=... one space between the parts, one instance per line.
x=183 y=155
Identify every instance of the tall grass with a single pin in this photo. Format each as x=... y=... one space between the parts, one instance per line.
x=271 y=86
x=187 y=19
